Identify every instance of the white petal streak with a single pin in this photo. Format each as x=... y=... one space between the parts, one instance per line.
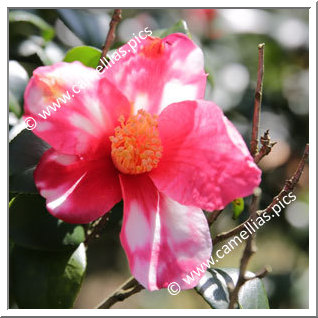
x=57 y=202
x=155 y=248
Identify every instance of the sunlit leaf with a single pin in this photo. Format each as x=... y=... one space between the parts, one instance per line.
x=88 y=55
x=214 y=289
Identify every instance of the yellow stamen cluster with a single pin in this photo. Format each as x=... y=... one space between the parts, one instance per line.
x=136 y=146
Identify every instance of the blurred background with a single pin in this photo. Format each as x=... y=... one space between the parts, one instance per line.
x=229 y=39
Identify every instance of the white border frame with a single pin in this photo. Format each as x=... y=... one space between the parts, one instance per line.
x=312 y=155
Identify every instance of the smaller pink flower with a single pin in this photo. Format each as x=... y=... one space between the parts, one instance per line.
x=142 y=134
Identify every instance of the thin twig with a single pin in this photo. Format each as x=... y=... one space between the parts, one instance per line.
x=111 y=34
x=130 y=287
x=225 y=235
x=266 y=148
x=261 y=274
x=288 y=187
x=250 y=249
x=258 y=100
x=290 y=183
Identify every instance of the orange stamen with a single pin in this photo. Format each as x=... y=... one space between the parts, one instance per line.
x=136 y=146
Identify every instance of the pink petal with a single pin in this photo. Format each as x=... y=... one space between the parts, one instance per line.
x=82 y=124
x=77 y=190
x=161 y=72
x=205 y=161
x=164 y=241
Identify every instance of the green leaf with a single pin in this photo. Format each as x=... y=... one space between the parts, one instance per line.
x=88 y=55
x=237 y=207
x=45 y=280
x=180 y=27
x=213 y=288
x=25 y=151
x=31 y=226
x=47 y=31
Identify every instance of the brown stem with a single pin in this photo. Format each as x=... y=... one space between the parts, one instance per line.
x=250 y=249
x=288 y=187
x=225 y=235
x=261 y=274
x=130 y=287
x=258 y=100
x=111 y=34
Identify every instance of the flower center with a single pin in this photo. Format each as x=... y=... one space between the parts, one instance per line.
x=136 y=146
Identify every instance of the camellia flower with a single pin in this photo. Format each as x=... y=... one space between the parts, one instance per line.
x=142 y=133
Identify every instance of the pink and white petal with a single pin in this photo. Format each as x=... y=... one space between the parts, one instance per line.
x=87 y=107
x=161 y=72
x=205 y=162
x=77 y=190
x=164 y=240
